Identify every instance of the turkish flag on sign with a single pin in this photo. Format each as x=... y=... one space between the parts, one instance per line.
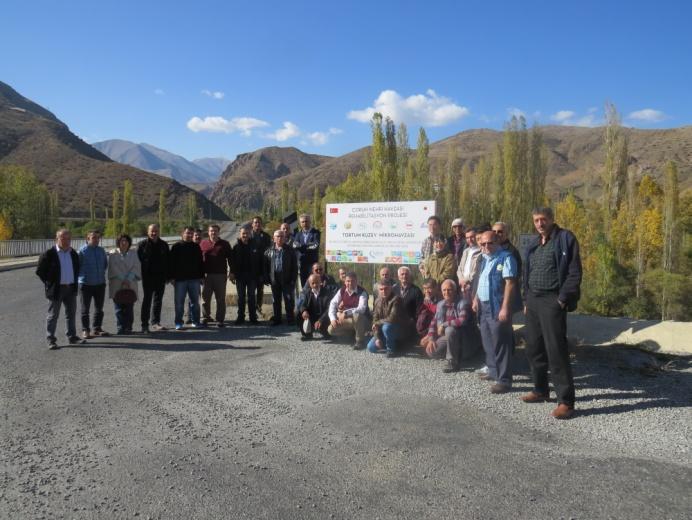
x=333 y=210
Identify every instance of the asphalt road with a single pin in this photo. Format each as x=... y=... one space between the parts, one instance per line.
x=252 y=423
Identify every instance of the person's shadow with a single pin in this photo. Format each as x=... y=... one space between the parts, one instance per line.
x=641 y=380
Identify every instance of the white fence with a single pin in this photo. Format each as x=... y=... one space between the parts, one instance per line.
x=13 y=248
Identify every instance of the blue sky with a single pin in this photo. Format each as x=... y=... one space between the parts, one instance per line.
x=220 y=78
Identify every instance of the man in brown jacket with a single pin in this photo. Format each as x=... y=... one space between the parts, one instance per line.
x=388 y=319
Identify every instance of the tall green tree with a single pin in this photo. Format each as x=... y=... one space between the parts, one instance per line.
x=285 y=197
x=390 y=185
x=191 y=214
x=498 y=182
x=163 y=214
x=403 y=152
x=378 y=158
x=615 y=167
x=423 y=187
x=129 y=207
x=483 y=193
x=451 y=186
x=317 y=208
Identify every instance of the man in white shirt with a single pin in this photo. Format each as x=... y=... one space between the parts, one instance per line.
x=349 y=313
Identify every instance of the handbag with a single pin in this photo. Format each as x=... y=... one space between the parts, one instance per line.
x=125 y=295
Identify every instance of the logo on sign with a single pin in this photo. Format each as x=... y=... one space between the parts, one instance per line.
x=333 y=210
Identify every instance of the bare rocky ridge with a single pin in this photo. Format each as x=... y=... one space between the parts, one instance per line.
x=33 y=137
x=253 y=175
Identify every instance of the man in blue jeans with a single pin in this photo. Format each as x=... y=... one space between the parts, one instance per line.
x=388 y=319
x=186 y=273
x=493 y=305
x=93 y=263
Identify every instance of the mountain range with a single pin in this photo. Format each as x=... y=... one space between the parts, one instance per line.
x=575 y=158
x=35 y=138
x=152 y=159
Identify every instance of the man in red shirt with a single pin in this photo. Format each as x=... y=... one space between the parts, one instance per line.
x=216 y=254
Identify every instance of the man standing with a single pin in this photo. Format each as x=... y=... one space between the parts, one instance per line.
x=468 y=272
x=247 y=273
x=186 y=272
x=261 y=241
x=493 y=305
x=216 y=258
x=411 y=299
x=348 y=311
x=153 y=257
x=281 y=270
x=427 y=248
x=93 y=263
x=456 y=243
x=552 y=279
x=306 y=242
x=58 y=269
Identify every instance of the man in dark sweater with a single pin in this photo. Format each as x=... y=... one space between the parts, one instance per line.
x=186 y=270
x=58 y=269
x=552 y=280
x=153 y=256
x=314 y=308
x=246 y=272
x=411 y=300
x=216 y=255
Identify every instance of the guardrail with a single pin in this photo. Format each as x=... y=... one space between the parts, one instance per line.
x=15 y=248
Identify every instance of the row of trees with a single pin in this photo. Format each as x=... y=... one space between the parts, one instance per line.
x=27 y=208
x=635 y=236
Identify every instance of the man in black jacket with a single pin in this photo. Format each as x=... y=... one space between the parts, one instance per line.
x=246 y=273
x=306 y=242
x=280 y=271
x=153 y=256
x=58 y=269
x=260 y=241
x=552 y=279
x=186 y=271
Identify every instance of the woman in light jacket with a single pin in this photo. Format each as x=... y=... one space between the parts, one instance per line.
x=124 y=271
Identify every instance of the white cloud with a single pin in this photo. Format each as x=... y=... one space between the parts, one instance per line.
x=159 y=92
x=321 y=138
x=563 y=116
x=218 y=124
x=286 y=132
x=648 y=115
x=215 y=94
x=427 y=109
x=571 y=118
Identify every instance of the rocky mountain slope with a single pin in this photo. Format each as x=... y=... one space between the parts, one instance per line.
x=575 y=161
x=33 y=137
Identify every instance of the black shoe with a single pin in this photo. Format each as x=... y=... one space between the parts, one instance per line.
x=145 y=330
x=254 y=321
x=305 y=338
x=53 y=345
x=240 y=321
x=274 y=323
x=220 y=325
x=358 y=346
x=451 y=367
x=76 y=340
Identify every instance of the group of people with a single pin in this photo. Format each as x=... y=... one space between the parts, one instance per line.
x=474 y=281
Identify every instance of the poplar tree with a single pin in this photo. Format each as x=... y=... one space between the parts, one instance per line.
x=423 y=189
x=390 y=185
x=162 y=210
x=498 y=182
x=451 y=185
x=378 y=158
x=466 y=195
x=483 y=192
x=615 y=167
x=128 y=215
x=317 y=208
x=191 y=209
x=403 y=152
x=671 y=201
x=284 y=197
x=538 y=169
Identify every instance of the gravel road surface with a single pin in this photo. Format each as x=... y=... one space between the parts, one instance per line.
x=250 y=422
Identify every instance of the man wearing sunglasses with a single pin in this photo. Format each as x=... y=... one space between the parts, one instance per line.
x=493 y=304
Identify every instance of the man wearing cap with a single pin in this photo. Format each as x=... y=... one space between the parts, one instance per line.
x=456 y=243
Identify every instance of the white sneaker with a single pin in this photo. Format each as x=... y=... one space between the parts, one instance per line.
x=483 y=370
